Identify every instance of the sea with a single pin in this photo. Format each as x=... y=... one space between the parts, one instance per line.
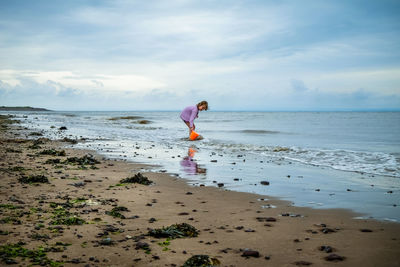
x=346 y=160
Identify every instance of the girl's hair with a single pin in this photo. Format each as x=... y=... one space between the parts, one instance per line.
x=203 y=103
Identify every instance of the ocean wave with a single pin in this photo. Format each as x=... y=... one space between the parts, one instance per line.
x=259 y=132
x=376 y=163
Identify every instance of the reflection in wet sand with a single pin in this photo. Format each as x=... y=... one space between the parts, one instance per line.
x=189 y=165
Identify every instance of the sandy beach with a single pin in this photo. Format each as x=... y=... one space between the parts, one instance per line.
x=77 y=212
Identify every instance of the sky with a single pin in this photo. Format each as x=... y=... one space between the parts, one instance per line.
x=165 y=55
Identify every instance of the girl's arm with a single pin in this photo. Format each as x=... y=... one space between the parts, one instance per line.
x=193 y=116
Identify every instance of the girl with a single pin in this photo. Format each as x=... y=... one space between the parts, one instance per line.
x=191 y=112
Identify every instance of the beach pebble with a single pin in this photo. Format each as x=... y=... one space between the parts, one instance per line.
x=334 y=257
x=366 y=230
x=301 y=263
x=326 y=249
x=250 y=253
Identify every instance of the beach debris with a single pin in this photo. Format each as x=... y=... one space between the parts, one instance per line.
x=334 y=257
x=366 y=230
x=327 y=230
x=301 y=263
x=137 y=179
x=31 y=179
x=326 y=249
x=250 y=253
x=116 y=212
x=201 y=260
x=291 y=215
x=266 y=219
x=264 y=182
x=106 y=242
x=52 y=152
x=175 y=231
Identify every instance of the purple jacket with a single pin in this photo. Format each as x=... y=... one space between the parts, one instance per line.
x=189 y=114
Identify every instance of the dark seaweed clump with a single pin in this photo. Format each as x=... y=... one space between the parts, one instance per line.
x=137 y=179
x=33 y=179
x=53 y=161
x=85 y=160
x=52 y=152
x=201 y=261
x=116 y=212
x=175 y=231
x=9 y=252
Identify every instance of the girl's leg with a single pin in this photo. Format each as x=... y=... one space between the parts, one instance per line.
x=188 y=125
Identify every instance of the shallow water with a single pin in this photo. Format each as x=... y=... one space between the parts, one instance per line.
x=318 y=159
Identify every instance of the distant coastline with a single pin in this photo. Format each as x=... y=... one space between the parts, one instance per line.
x=26 y=108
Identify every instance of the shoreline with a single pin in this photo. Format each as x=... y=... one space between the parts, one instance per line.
x=228 y=222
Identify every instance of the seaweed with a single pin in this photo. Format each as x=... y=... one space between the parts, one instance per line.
x=116 y=212
x=85 y=160
x=11 y=150
x=201 y=261
x=9 y=206
x=36 y=134
x=52 y=152
x=38 y=256
x=33 y=179
x=4 y=232
x=17 y=169
x=125 y=118
x=9 y=219
x=53 y=161
x=69 y=140
x=138 y=179
x=175 y=231
x=72 y=220
x=37 y=236
x=63 y=216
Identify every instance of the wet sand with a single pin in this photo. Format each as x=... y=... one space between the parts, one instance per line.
x=74 y=208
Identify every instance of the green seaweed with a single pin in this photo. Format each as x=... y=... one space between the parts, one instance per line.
x=79 y=200
x=201 y=261
x=138 y=179
x=10 y=219
x=17 y=169
x=61 y=216
x=116 y=212
x=38 y=256
x=33 y=179
x=165 y=244
x=175 y=231
x=9 y=206
x=4 y=232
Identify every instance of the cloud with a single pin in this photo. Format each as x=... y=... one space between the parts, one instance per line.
x=238 y=55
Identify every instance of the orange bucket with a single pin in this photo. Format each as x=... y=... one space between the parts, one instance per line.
x=193 y=135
